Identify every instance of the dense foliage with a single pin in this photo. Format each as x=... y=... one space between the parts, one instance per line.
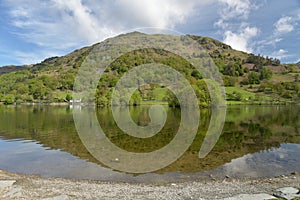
x=144 y=56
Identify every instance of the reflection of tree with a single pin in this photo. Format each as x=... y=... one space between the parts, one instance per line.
x=247 y=130
x=247 y=133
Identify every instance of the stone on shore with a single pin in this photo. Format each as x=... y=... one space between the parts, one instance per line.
x=60 y=197
x=288 y=193
x=6 y=183
x=250 y=197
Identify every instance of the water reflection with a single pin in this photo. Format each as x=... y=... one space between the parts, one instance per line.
x=43 y=140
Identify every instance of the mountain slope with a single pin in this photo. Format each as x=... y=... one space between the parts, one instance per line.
x=52 y=80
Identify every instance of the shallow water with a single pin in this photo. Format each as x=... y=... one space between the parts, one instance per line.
x=257 y=141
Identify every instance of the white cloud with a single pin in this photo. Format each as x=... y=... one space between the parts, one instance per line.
x=233 y=23
x=280 y=54
x=236 y=9
x=63 y=24
x=270 y=41
x=240 y=41
x=59 y=25
x=284 y=25
x=159 y=13
x=75 y=13
x=31 y=57
x=56 y=24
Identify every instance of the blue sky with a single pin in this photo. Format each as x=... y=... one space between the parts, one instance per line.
x=34 y=30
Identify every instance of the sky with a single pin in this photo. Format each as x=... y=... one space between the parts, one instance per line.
x=34 y=30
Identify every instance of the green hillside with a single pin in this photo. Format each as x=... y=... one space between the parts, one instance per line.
x=249 y=78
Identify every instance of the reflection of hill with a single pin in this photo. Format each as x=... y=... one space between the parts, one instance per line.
x=269 y=127
x=54 y=127
x=50 y=126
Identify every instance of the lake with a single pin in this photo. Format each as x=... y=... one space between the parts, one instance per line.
x=257 y=141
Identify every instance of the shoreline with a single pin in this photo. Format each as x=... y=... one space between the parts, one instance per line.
x=20 y=186
x=228 y=103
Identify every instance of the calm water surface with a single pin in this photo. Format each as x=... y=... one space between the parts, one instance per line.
x=257 y=141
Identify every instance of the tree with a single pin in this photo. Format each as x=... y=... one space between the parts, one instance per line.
x=135 y=99
x=9 y=99
x=229 y=81
x=235 y=96
x=234 y=69
x=265 y=74
x=196 y=74
x=38 y=90
x=246 y=70
x=253 y=78
x=49 y=82
x=68 y=97
x=296 y=78
x=171 y=99
x=67 y=81
x=102 y=101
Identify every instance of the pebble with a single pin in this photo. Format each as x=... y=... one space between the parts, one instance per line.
x=294 y=173
x=14 y=193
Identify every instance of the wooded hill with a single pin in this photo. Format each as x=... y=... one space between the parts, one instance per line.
x=248 y=78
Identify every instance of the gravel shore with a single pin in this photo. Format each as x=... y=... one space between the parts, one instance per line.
x=17 y=186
